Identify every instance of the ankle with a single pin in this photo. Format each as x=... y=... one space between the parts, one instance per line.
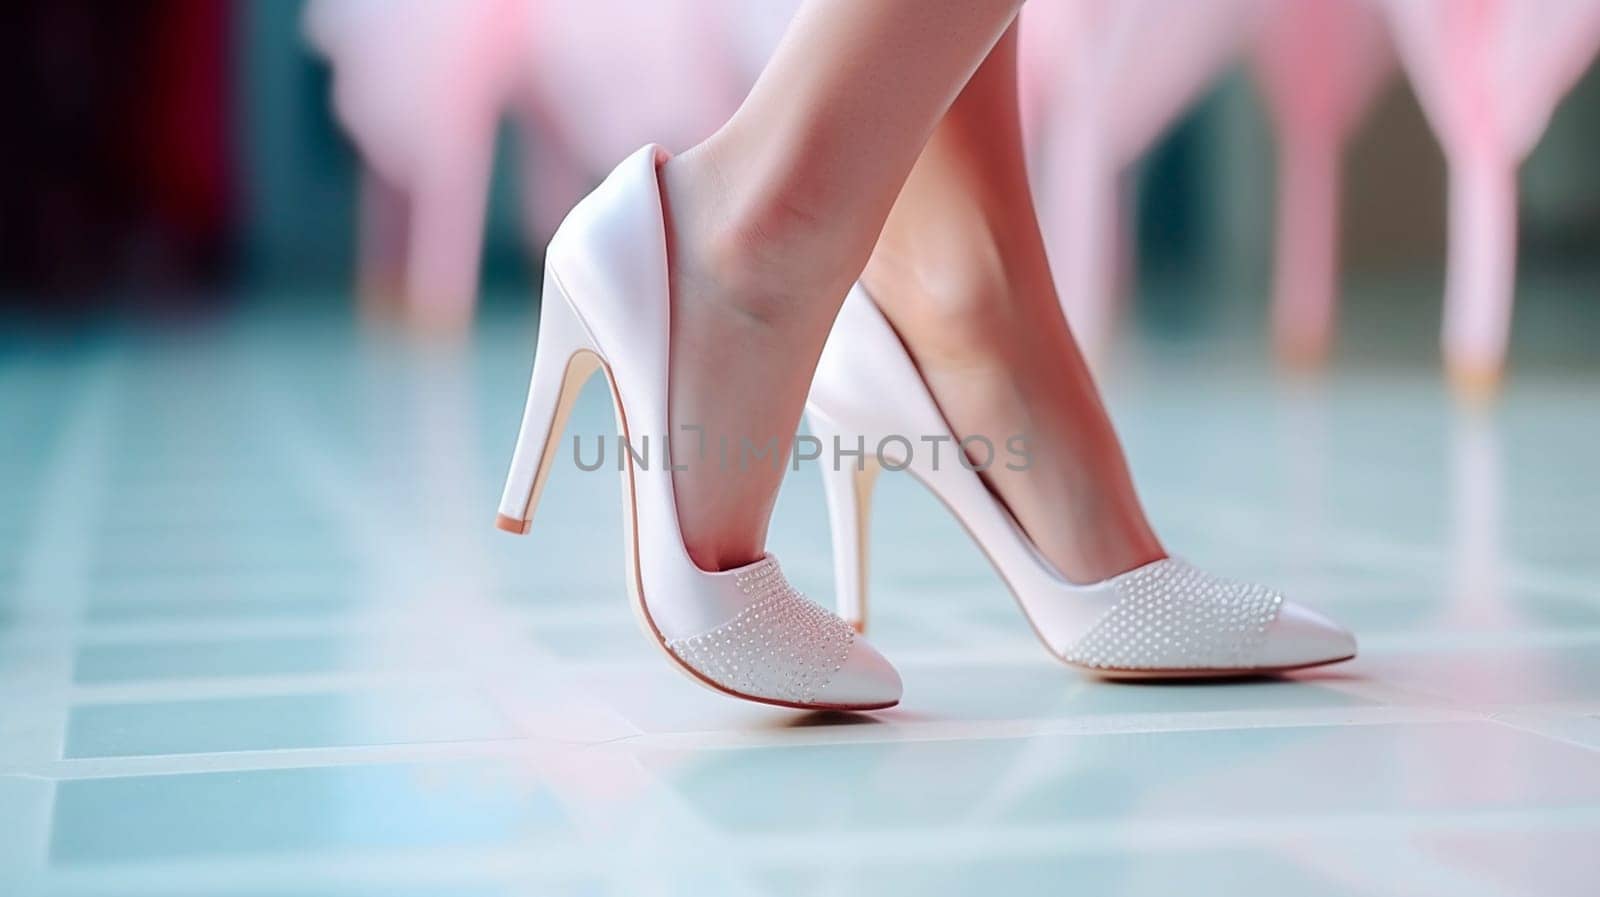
x=753 y=250
x=963 y=300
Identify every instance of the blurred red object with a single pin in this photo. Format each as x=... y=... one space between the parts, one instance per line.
x=118 y=164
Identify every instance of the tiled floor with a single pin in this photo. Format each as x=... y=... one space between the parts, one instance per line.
x=258 y=637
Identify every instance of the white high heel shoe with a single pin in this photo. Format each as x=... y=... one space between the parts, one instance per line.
x=743 y=632
x=1164 y=619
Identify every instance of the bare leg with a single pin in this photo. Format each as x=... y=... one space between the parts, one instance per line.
x=961 y=272
x=774 y=216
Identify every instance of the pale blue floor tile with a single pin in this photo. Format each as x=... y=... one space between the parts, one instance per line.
x=414 y=716
x=223 y=606
x=1493 y=676
x=299 y=811
x=112 y=662
x=1195 y=777
x=25 y=808
x=258 y=637
x=1128 y=874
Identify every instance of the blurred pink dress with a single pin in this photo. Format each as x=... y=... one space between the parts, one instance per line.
x=1488 y=74
x=420 y=86
x=1100 y=81
x=1319 y=64
x=671 y=77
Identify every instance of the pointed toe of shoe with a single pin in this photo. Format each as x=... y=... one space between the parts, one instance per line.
x=1300 y=636
x=866 y=681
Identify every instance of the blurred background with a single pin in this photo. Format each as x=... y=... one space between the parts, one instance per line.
x=268 y=275
x=188 y=154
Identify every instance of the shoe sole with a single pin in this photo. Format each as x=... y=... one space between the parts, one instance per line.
x=1203 y=674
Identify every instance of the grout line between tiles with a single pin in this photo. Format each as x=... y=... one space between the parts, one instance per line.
x=729 y=739
x=54 y=565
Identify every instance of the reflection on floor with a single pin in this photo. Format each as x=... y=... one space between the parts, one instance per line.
x=258 y=636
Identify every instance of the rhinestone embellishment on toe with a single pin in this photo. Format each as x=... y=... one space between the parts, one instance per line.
x=1171 y=616
x=782 y=646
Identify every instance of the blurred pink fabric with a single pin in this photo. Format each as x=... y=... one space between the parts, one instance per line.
x=1488 y=74
x=1100 y=81
x=671 y=77
x=420 y=87
x=1319 y=64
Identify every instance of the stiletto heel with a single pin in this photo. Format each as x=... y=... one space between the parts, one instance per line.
x=563 y=362
x=607 y=306
x=848 y=489
x=1164 y=619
